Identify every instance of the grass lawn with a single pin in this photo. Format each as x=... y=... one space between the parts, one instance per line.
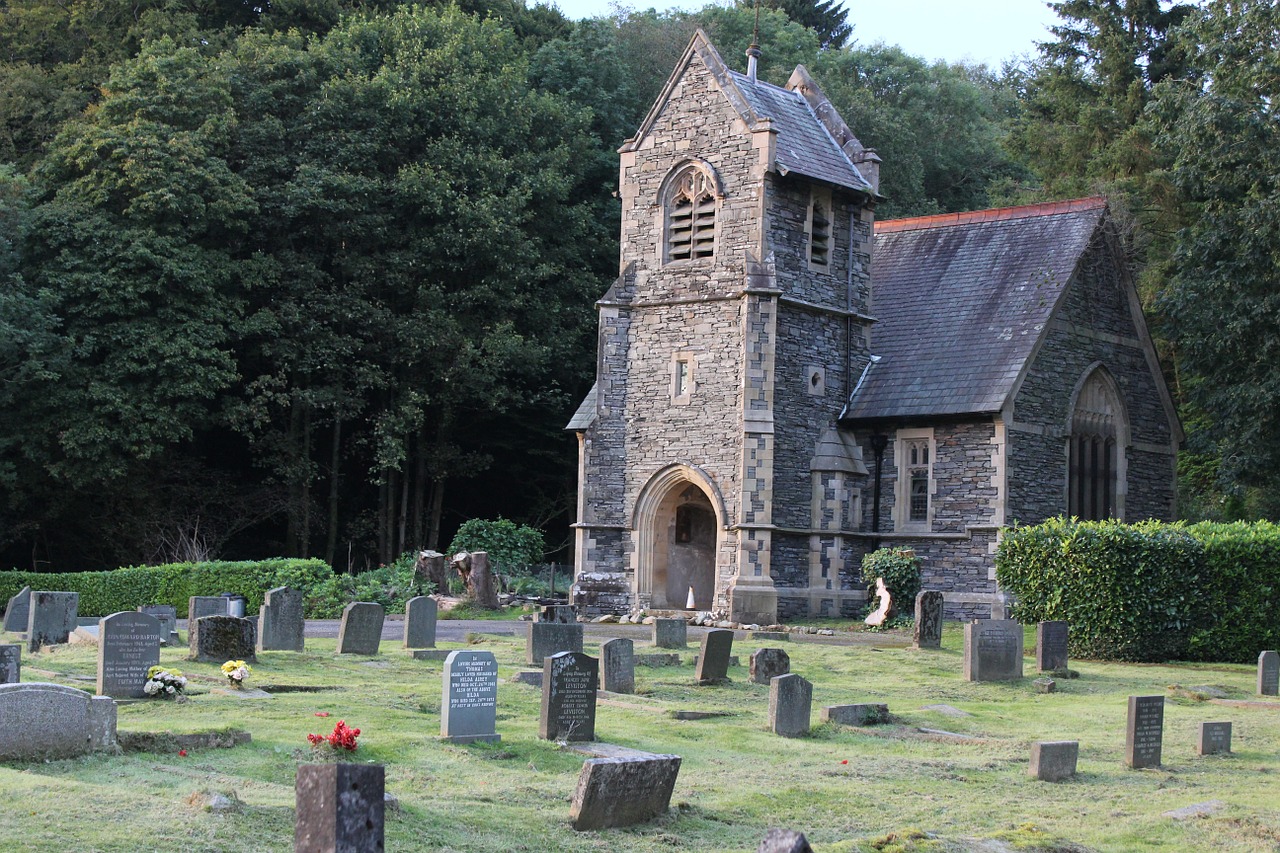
x=847 y=789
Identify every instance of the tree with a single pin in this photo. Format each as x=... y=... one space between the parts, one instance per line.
x=828 y=19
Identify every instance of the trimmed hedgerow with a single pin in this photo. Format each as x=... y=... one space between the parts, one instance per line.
x=1240 y=594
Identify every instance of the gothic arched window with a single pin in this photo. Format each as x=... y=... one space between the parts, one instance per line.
x=1095 y=468
x=691 y=216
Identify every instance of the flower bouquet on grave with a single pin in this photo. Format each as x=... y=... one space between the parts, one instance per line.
x=164 y=683
x=236 y=672
x=340 y=741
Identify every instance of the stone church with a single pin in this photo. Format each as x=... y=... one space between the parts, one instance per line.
x=784 y=385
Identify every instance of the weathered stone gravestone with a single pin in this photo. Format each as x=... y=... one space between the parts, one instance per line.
x=128 y=646
x=40 y=721
x=562 y=613
x=548 y=638
x=280 y=622
x=420 y=622
x=1054 y=760
x=1144 y=733
x=618 y=658
x=790 y=704
x=200 y=606
x=992 y=650
x=1214 y=738
x=623 y=791
x=1269 y=673
x=1051 y=646
x=168 y=616
x=713 y=658
x=928 y=630
x=52 y=618
x=569 y=684
x=469 y=706
x=218 y=639
x=17 y=612
x=784 y=841
x=670 y=633
x=361 y=629
x=867 y=714
x=10 y=664
x=339 y=808
x=767 y=663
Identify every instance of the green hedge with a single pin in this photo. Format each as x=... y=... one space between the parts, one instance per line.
x=104 y=593
x=1149 y=591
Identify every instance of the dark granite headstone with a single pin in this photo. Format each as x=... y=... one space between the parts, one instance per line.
x=1144 y=733
x=128 y=646
x=340 y=808
x=168 y=616
x=469 y=704
x=562 y=614
x=713 y=658
x=218 y=639
x=361 y=629
x=1269 y=673
x=623 y=791
x=1214 y=738
x=10 y=664
x=17 y=611
x=790 y=704
x=1051 y=646
x=928 y=630
x=569 y=684
x=856 y=715
x=992 y=650
x=52 y=618
x=549 y=638
x=670 y=633
x=420 y=622
x=200 y=606
x=784 y=841
x=280 y=623
x=618 y=658
x=767 y=663
x=1054 y=760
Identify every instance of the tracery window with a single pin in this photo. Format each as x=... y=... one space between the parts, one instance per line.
x=1093 y=472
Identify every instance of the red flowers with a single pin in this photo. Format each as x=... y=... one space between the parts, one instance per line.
x=342 y=737
x=322 y=713
x=182 y=753
x=846 y=761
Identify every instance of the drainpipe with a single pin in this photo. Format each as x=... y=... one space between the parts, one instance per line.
x=879 y=441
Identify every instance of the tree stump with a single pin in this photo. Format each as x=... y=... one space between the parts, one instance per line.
x=430 y=568
x=473 y=568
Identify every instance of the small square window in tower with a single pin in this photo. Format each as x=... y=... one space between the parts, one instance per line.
x=691 y=212
x=819 y=229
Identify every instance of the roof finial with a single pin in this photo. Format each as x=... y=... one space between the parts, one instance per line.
x=753 y=52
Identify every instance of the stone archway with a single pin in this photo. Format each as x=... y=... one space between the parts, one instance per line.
x=678 y=530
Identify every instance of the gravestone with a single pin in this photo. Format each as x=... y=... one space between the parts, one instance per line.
x=420 y=623
x=469 y=706
x=1054 y=760
x=10 y=664
x=548 y=638
x=928 y=630
x=218 y=639
x=52 y=618
x=618 y=659
x=280 y=622
x=1269 y=673
x=361 y=629
x=1214 y=738
x=623 y=791
x=564 y=614
x=867 y=714
x=784 y=841
x=1144 y=732
x=1051 y=646
x=339 y=808
x=713 y=659
x=17 y=612
x=569 y=684
x=200 y=606
x=39 y=721
x=670 y=633
x=168 y=616
x=790 y=703
x=767 y=663
x=992 y=650
x=128 y=646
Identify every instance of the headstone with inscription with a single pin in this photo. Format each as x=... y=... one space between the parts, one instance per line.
x=1054 y=760
x=10 y=664
x=361 y=630
x=670 y=633
x=928 y=630
x=767 y=663
x=168 y=616
x=1051 y=646
x=618 y=659
x=623 y=791
x=420 y=622
x=1269 y=673
x=200 y=606
x=52 y=618
x=1214 y=738
x=1144 y=733
x=469 y=706
x=992 y=650
x=280 y=623
x=218 y=639
x=339 y=807
x=128 y=646
x=548 y=638
x=713 y=659
x=790 y=704
x=569 y=684
x=17 y=611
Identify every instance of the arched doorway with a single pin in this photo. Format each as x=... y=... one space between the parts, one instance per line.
x=678 y=536
x=1096 y=452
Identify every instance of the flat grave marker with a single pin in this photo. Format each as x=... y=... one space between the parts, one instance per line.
x=469 y=704
x=548 y=638
x=1144 y=731
x=280 y=622
x=713 y=658
x=992 y=650
x=51 y=619
x=1051 y=646
x=361 y=629
x=618 y=660
x=1215 y=738
x=1269 y=673
x=623 y=791
x=928 y=629
x=569 y=684
x=128 y=646
x=420 y=614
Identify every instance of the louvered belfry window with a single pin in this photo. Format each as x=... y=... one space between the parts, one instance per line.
x=819 y=233
x=691 y=229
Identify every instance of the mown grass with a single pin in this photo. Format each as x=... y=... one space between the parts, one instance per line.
x=736 y=779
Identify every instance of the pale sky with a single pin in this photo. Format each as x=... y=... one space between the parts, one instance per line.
x=988 y=31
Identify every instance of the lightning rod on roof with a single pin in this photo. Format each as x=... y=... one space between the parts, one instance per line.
x=753 y=52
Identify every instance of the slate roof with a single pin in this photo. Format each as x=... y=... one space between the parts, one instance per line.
x=585 y=416
x=962 y=300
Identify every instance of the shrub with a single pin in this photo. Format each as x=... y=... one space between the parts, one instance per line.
x=512 y=548
x=1238 y=593
x=901 y=572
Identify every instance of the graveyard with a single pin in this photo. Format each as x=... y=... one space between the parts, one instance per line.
x=946 y=769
